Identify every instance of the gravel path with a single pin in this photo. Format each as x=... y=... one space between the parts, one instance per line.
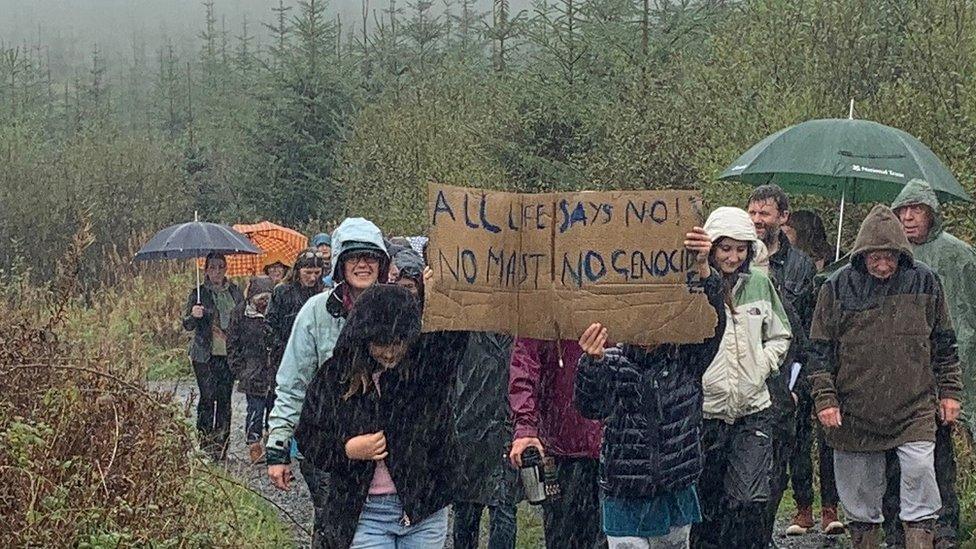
x=297 y=504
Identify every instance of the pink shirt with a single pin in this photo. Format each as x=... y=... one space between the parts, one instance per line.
x=382 y=483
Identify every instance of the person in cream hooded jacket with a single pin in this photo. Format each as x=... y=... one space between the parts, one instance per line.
x=735 y=428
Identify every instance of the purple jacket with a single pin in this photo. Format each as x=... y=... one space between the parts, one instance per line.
x=540 y=393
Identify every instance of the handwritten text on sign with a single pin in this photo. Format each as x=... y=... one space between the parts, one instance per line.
x=544 y=265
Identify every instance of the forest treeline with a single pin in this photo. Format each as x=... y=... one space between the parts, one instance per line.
x=333 y=117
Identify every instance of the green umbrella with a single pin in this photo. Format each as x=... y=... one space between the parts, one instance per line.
x=851 y=160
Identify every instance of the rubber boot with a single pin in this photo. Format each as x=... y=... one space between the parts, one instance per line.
x=864 y=535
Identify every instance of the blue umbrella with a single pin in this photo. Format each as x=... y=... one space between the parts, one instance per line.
x=195 y=239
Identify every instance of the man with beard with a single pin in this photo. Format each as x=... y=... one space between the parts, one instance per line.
x=792 y=272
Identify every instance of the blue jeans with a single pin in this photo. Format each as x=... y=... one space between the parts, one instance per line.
x=256 y=422
x=501 y=525
x=381 y=526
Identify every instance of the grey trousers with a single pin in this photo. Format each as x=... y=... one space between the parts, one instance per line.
x=677 y=538
x=861 y=483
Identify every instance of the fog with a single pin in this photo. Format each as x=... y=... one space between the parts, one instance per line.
x=67 y=31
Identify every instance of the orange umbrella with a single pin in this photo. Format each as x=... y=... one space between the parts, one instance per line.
x=277 y=243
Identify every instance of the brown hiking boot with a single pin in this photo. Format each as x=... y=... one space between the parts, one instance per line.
x=865 y=535
x=919 y=535
x=255 y=452
x=829 y=523
x=802 y=521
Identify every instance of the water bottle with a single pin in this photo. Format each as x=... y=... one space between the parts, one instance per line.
x=533 y=476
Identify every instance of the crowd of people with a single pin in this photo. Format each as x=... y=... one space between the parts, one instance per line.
x=672 y=446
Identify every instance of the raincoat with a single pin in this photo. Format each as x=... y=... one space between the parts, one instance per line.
x=313 y=337
x=202 y=328
x=540 y=392
x=955 y=263
x=481 y=417
x=757 y=334
x=651 y=402
x=411 y=407
x=882 y=350
x=286 y=300
x=248 y=355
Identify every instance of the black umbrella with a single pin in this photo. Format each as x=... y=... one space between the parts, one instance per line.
x=195 y=239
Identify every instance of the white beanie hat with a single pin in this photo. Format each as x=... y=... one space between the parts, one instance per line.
x=731 y=223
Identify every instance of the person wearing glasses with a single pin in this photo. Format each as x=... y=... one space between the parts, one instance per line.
x=359 y=260
x=208 y=312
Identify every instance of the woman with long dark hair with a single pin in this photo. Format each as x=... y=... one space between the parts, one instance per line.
x=299 y=285
x=805 y=230
x=734 y=485
x=376 y=422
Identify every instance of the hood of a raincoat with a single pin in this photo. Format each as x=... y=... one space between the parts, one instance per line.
x=881 y=230
x=384 y=313
x=916 y=192
x=761 y=261
x=353 y=234
x=321 y=239
x=735 y=223
x=258 y=285
x=410 y=264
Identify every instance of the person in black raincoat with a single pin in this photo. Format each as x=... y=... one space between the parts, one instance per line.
x=376 y=420
x=250 y=361
x=409 y=271
x=479 y=398
x=650 y=399
x=484 y=430
x=303 y=281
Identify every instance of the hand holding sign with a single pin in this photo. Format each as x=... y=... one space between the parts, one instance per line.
x=699 y=243
x=593 y=341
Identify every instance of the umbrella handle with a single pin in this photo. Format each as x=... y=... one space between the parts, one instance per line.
x=840 y=222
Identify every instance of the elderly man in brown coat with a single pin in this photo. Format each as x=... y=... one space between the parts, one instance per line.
x=884 y=363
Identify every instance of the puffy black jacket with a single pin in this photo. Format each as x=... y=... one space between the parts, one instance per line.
x=651 y=403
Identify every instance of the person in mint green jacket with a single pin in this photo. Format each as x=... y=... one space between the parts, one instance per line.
x=735 y=431
x=359 y=260
x=920 y=213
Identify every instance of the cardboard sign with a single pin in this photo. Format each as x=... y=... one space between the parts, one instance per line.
x=546 y=266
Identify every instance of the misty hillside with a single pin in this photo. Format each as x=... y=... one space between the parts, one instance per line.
x=69 y=30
